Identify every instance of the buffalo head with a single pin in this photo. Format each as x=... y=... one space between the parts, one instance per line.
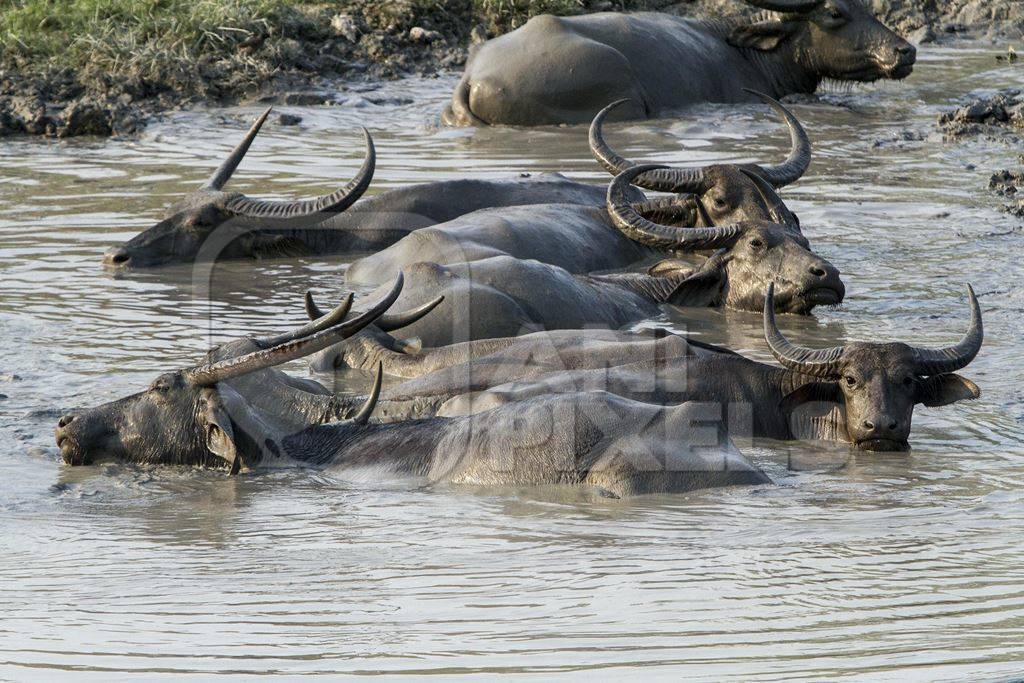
x=751 y=254
x=198 y=417
x=839 y=39
x=190 y=222
x=730 y=193
x=878 y=385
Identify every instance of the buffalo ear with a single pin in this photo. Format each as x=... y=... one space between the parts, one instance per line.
x=941 y=390
x=704 y=286
x=812 y=392
x=762 y=35
x=411 y=345
x=219 y=432
x=669 y=266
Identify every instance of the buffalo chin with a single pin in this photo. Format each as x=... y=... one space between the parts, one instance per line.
x=899 y=71
x=71 y=454
x=883 y=445
x=822 y=296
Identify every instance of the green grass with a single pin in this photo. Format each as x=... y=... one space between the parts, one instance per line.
x=73 y=27
x=148 y=40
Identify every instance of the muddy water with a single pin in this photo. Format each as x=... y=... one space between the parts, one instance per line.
x=878 y=567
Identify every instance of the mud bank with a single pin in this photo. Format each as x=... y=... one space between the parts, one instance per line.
x=998 y=117
x=300 y=52
x=924 y=21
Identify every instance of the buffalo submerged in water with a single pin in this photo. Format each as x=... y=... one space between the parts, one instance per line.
x=213 y=223
x=203 y=417
x=501 y=296
x=556 y=70
x=584 y=239
x=862 y=393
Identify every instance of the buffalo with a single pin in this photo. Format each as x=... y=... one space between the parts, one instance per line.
x=860 y=393
x=583 y=238
x=202 y=417
x=214 y=224
x=501 y=295
x=556 y=70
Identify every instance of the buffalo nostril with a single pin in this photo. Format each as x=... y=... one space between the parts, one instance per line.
x=893 y=424
x=817 y=272
x=65 y=420
x=905 y=50
x=869 y=425
x=118 y=257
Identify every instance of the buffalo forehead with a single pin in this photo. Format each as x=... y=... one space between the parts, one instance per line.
x=887 y=357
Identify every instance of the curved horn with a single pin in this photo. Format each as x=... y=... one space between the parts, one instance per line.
x=777 y=209
x=316 y=324
x=786 y=5
x=703 y=217
x=312 y=310
x=211 y=373
x=337 y=201
x=953 y=358
x=799 y=158
x=816 y=362
x=661 y=179
x=228 y=166
x=638 y=228
x=363 y=416
x=387 y=322
x=394 y=321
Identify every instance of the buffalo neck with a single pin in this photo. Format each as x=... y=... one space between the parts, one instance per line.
x=403 y=447
x=781 y=66
x=659 y=289
x=826 y=425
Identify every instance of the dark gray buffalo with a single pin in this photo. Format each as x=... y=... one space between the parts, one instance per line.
x=502 y=296
x=558 y=70
x=213 y=223
x=203 y=417
x=585 y=239
x=860 y=393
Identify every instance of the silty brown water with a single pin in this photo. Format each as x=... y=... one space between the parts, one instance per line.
x=868 y=566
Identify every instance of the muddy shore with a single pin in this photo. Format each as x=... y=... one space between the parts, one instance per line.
x=312 y=54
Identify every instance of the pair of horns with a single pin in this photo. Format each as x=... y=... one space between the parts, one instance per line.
x=825 y=363
x=387 y=322
x=337 y=201
x=640 y=229
x=311 y=338
x=692 y=180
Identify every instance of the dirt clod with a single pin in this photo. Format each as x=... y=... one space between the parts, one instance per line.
x=999 y=116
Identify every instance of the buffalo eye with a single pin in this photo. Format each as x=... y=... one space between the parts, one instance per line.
x=836 y=16
x=850 y=380
x=757 y=243
x=908 y=381
x=719 y=203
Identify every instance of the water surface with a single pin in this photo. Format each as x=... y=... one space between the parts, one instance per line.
x=854 y=566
